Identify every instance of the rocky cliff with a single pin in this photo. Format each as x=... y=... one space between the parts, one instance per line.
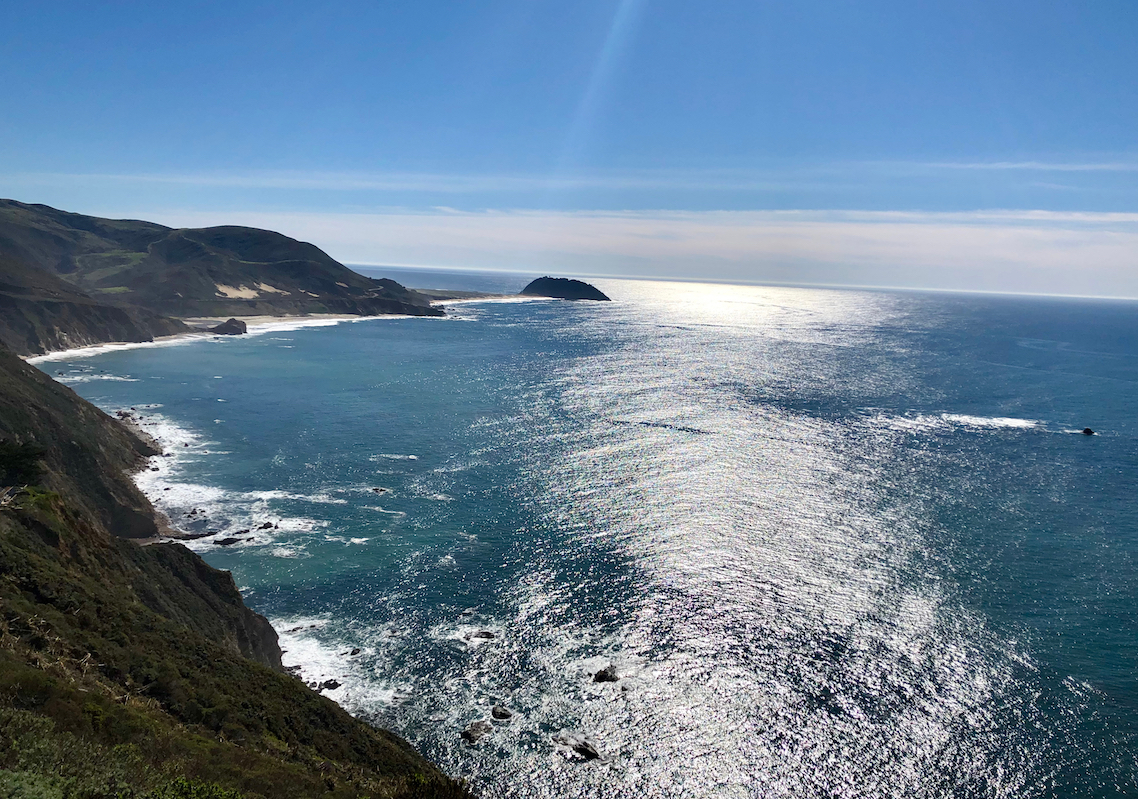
x=563 y=288
x=138 y=671
x=40 y=312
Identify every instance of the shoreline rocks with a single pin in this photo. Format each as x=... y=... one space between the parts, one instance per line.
x=230 y=327
x=476 y=731
x=607 y=674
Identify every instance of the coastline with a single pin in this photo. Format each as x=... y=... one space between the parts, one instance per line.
x=257 y=325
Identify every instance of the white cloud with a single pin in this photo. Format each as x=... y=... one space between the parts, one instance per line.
x=1001 y=250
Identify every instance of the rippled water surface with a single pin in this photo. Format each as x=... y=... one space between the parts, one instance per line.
x=832 y=543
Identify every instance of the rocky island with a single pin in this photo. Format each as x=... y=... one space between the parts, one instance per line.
x=563 y=288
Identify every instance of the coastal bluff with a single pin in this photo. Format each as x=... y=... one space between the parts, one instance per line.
x=128 y=666
x=69 y=280
x=563 y=288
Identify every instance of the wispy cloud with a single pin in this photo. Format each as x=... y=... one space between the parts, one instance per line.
x=427 y=182
x=999 y=250
x=1039 y=166
x=809 y=178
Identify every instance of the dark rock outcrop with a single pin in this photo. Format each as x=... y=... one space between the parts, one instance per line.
x=1088 y=432
x=40 y=312
x=579 y=745
x=563 y=288
x=607 y=674
x=230 y=327
x=501 y=713
x=476 y=731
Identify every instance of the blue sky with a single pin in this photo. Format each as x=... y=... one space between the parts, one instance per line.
x=987 y=145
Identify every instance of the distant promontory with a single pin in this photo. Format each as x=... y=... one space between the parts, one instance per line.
x=68 y=280
x=563 y=288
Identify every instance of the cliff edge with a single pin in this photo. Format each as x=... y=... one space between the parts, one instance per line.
x=138 y=671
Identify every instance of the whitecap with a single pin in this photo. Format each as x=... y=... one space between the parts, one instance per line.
x=303 y=643
x=467 y=634
x=321 y=499
x=990 y=421
x=86 y=378
x=378 y=509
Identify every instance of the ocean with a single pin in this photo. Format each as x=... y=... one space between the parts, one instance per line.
x=828 y=543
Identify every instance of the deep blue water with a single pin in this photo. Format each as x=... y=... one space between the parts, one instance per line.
x=834 y=543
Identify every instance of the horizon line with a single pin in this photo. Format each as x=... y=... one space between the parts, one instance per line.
x=730 y=282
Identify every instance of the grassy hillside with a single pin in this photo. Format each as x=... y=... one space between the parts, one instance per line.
x=40 y=312
x=137 y=671
x=219 y=271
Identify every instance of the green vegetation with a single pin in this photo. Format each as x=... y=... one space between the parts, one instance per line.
x=176 y=272
x=20 y=463
x=136 y=672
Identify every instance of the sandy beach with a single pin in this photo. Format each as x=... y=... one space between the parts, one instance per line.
x=256 y=325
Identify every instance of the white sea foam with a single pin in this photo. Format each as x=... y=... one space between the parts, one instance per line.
x=288 y=552
x=102 y=349
x=88 y=378
x=255 y=329
x=946 y=421
x=390 y=456
x=303 y=642
x=378 y=509
x=467 y=634
x=990 y=421
x=201 y=508
x=268 y=496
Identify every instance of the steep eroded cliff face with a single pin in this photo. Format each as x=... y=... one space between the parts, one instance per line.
x=40 y=312
x=105 y=641
x=38 y=325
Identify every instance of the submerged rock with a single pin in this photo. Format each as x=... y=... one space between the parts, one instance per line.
x=579 y=745
x=476 y=731
x=230 y=327
x=607 y=674
x=1088 y=432
x=563 y=288
x=501 y=713
x=483 y=635
x=330 y=685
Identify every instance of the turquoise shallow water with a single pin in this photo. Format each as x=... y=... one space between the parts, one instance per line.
x=833 y=543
